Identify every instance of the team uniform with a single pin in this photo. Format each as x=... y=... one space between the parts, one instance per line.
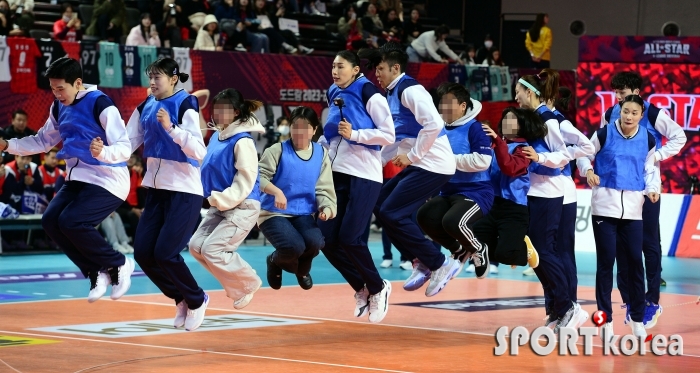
x=4 y=60
x=545 y=202
x=426 y=145
x=306 y=179
x=89 y=61
x=625 y=165
x=49 y=177
x=184 y=61
x=174 y=196
x=110 y=65
x=94 y=187
x=23 y=55
x=660 y=125
x=50 y=50
x=448 y=218
x=131 y=70
x=357 y=179
x=147 y=55
x=231 y=185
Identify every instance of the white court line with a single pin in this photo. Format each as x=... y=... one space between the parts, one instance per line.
x=206 y=352
x=12 y=291
x=316 y=318
x=39 y=293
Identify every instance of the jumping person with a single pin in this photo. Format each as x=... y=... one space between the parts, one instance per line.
x=359 y=122
x=624 y=172
x=297 y=180
x=96 y=148
x=174 y=195
x=422 y=148
x=231 y=186
x=660 y=125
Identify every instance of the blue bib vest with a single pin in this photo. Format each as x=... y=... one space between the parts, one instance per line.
x=645 y=122
x=157 y=141
x=540 y=146
x=218 y=167
x=297 y=179
x=77 y=126
x=354 y=110
x=405 y=123
x=561 y=118
x=511 y=188
x=459 y=141
x=620 y=162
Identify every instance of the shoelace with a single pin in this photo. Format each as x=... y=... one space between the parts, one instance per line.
x=478 y=258
x=360 y=299
x=374 y=302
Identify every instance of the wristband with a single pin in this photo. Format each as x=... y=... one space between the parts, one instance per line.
x=172 y=126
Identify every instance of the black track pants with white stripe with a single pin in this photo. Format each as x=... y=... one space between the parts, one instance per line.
x=448 y=221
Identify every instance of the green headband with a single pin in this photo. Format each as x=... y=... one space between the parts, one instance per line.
x=528 y=85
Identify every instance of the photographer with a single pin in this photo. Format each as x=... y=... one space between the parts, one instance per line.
x=26 y=177
x=167 y=27
x=68 y=27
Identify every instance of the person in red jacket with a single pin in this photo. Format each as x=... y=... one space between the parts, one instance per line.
x=68 y=28
x=49 y=173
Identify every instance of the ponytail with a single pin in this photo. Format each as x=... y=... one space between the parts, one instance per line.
x=167 y=67
x=232 y=96
x=545 y=84
x=183 y=77
x=564 y=98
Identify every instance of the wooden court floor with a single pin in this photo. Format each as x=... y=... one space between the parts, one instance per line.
x=292 y=330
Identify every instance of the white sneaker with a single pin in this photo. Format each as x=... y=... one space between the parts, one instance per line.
x=129 y=248
x=240 y=48
x=180 y=314
x=469 y=269
x=419 y=276
x=529 y=272
x=406 y=265
x=379 y=303
x=196 y=317
x=440 y=278
x=493 y=269
x=98 y=286
x=305 y=50
x=121 y=278
x=386 y=263
x=242 y=302
x=638 y=329
x=361 y=302
x=606 y=331
x=582 y=318
x=119 y=248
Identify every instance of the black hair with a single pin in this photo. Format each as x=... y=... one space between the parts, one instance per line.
x=280 y=119
x=392 y=53
x=52 y=150
x=488 y=37
x=19 y=112
x=564 y=98
x=307 y=113
x=490 y=59
x=530 y=126
x=167 y=67
x=144 y=32
x=534 y=31
x=65 y=6
x=470 y=47
x=441 y=30
x=459 y=91
x=633 y=98
x=235 y=99
x=65 y=68
x=351 y=57
x=626 y=79
x=347 y=9
x=547 y=82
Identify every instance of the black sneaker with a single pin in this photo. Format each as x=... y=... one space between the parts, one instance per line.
x=305 y=282
x=481 y=262
x=274 y=274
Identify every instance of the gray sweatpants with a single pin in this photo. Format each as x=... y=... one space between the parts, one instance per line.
x=215 y=243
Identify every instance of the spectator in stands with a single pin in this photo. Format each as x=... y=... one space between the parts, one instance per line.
x=17 y=130
x=393 y=27
x=412 y=28
x=144 y=33
x=396 y=5
x=351 y=30
x=269 y=25
x=49 y=173
x=425 y=47
x=167 y=27
x=363 y=6
x=191 y=15
x=538 y=42
x=469 y=59
x=283 y=129
x=246 y=20
x=108 y=20
x=373 y=26
x=68 y=27
x=291 y=5
x=22 y=13
x=484 y=51
x=130 y=211
x=208 y=37
x=27 y=179
x=5 y=20
x=115 y=234
x=494 y=59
